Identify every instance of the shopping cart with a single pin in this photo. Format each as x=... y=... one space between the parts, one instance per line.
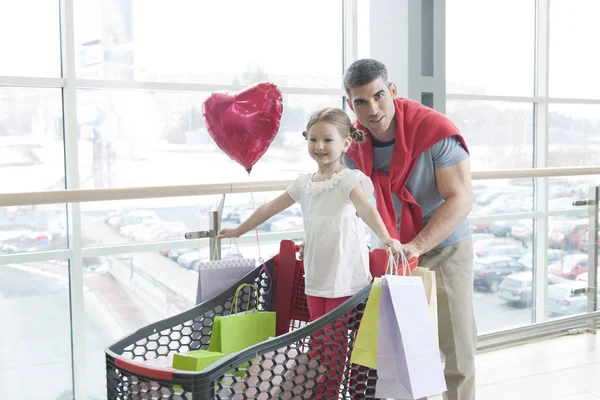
x=284 y=367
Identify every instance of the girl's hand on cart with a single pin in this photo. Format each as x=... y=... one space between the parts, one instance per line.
x=228 y=233
x=395 y=246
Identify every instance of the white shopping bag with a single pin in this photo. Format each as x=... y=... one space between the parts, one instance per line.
x=409 y=364
x=429 y=283
x=214 y=277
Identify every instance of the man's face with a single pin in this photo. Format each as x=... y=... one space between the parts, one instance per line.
x=373 y=105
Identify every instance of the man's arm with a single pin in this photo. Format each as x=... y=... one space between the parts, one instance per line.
x=454 y=184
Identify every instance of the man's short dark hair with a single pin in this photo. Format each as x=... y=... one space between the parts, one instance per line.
x=362 y=72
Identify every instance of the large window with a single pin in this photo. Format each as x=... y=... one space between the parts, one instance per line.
x=499 y=134
x=490 y=47
x=30 y=44
x=296 y=44
x=31 y=140
x=574 y=134
x=149 y=138
x=574 y=64
x=142 y=72
x=36 y=331
x=496 y=89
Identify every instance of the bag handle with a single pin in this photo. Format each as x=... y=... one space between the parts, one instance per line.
x=392 y=265
x=234 y=304
x=236 y=247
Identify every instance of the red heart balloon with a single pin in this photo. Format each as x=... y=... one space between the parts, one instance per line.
x=243 y=125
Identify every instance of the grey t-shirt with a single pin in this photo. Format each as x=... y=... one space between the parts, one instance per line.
x=422 y=184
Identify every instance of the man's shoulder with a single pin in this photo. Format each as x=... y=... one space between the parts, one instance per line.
x=414 y=109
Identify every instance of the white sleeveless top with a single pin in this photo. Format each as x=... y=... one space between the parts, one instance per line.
x=336 y=256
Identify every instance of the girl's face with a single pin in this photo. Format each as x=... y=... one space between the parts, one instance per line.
x=326 y=144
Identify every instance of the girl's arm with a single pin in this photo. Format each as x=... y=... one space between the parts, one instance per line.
x=259 y=216
x=368 y=213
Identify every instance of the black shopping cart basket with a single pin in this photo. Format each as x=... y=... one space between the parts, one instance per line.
x=305 y=360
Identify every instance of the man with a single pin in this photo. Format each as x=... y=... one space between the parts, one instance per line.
x=419 y=165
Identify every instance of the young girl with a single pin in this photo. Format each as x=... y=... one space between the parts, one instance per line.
x=336 y=256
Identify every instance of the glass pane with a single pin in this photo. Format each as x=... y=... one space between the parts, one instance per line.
x=574 y=135
x=238 y=207
x=218 y=42
x=36 y=344
x=499 y=134
x=26 y=229
x=502 y=196
x=148 y=220
x=30 y=32
x=164 y=219
x=568 y=238
x=564 y=191
x=362 y=17
x=503 y=252
x=562 y=234
x=129 y=291
x=142 y=138
x=573 y=67
x=502 y=279
x=122 y=298
x=31 y=140
x=483 y=56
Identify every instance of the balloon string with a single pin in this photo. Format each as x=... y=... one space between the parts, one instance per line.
x=260 y=259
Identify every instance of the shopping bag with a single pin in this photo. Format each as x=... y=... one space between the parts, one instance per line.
x=214 y=277
x=237 y=331
x=409 y=364
x=428 y=277
x=365 y=346
x=195 y=360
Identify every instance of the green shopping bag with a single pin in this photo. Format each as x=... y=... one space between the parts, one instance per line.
x=195 y=360
x=365 y=346
x=238 y=331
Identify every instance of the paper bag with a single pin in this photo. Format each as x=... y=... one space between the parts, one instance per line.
x=365 y=346
x=428 y=277
x=214 y=277
x=237 y=331
x=409 y=364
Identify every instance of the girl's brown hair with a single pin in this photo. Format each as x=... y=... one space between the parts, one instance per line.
x=338 y=118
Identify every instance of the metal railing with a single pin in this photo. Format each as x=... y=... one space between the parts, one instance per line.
x=87 y=195
x=487 y=341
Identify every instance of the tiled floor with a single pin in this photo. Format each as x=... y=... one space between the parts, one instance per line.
x=567 y=367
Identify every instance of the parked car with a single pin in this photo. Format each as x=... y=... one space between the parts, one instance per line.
x=514 y=251
x=567 y=298
x=490 y=271
x=476 y=237
x=481 y=246
x=553 y=256
x=584 y=277
x=570 y=266
x=517 y=289
x=523 y=230
x=503 y=228
x=130 y=217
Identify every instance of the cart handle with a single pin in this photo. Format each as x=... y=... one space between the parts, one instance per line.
x=139 y=368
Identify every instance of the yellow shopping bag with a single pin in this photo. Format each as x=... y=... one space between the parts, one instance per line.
x=365 y=346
